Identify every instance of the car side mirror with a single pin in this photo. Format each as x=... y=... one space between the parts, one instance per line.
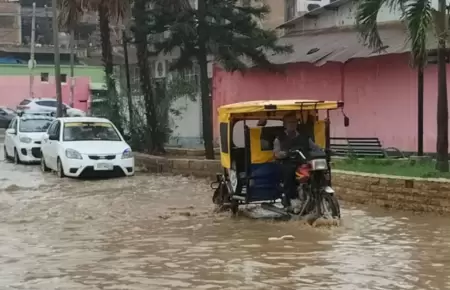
x=11 y=131
x=346 y=121
x=53 y=137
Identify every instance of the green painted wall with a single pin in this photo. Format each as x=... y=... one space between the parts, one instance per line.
x=94 y=72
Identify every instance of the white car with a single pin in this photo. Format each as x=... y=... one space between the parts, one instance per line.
x=23 y=138
x=86 y=146
x=47 y=105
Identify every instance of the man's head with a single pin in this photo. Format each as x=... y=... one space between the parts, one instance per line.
x=290 y=121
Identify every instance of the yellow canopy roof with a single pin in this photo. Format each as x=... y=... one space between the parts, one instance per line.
x=278 y=105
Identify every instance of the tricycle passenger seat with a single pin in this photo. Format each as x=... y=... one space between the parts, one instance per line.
x=265 y=181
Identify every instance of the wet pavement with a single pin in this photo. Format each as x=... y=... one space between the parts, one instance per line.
x=159 y=232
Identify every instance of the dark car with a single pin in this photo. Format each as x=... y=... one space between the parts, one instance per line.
x=6 y=115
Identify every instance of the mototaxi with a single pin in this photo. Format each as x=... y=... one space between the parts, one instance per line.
x=250 y=172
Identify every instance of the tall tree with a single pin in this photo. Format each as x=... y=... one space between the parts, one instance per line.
x=71 y=13
x=140 y=8
x=420 y=19
x=223 y=29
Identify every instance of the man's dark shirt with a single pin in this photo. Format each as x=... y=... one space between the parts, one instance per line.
x=280 y=154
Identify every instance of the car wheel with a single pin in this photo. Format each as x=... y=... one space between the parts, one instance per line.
x=44 y=167
x=16 y=157
x=60 y=169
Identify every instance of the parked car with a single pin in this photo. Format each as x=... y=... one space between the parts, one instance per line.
x=6 y=115
x=23 y=138
x=86 y=146
x=47 y=105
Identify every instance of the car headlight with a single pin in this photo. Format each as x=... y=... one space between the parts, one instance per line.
x=73 y=154
x=319 y=164
x=25 y=140
x=127 y=153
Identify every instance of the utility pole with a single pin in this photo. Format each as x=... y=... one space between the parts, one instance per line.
x=32 y=61
x=72 y=64
x=59 y=108
x=127 y=75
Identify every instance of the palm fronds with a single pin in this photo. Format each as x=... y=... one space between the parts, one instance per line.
x=417 y=14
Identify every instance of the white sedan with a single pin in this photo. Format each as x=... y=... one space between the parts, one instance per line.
x=85 y=146
x=23 y=138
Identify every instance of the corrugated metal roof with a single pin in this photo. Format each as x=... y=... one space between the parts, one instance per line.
x=340 y=46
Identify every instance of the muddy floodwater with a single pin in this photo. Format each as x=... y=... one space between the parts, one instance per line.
x=159 y=232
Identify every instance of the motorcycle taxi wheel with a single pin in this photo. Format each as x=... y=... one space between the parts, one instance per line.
x=332 y=204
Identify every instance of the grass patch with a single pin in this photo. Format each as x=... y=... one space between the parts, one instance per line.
x=410 y=168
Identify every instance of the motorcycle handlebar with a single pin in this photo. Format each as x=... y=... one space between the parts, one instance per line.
x=299 y=153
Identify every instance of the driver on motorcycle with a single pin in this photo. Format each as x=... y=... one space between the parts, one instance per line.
x=291 y=139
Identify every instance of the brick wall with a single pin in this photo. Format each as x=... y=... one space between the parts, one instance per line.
x=415 y=194
x=429 y=195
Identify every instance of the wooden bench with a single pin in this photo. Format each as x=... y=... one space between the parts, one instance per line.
x=362 y=147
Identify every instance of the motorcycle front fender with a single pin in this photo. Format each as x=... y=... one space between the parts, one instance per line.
x=328 y=189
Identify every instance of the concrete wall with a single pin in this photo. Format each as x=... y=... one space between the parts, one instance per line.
x=429 y=195
x=10 y=23
x=276 y=15
x=380 y=95
x=187 y=128
x=341 y=16
x=344 y=15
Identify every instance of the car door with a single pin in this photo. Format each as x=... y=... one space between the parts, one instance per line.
x=9 y=138
x=15 y=137
x=53 y=146
x=47 y=144
x=47 y=105
x=45 y=139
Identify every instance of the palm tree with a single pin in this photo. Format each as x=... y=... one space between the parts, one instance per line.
x=420 y=18
x=153 y=143
x=72 y=11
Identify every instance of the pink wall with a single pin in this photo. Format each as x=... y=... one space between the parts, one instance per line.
x=380 y=95
x=16 y=88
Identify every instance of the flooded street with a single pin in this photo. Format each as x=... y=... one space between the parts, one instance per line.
x=159 y=232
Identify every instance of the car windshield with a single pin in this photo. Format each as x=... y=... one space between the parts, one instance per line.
x=34 y=125
x=8 y=111
x=90 y=131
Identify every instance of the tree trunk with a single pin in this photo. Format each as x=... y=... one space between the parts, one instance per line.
x=420 y=111
x=107 y=58
x=206 y=100
x=155 y=144
x=442 y=103
x=128 y=84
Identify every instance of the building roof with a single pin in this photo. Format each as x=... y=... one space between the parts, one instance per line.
x=340 y=45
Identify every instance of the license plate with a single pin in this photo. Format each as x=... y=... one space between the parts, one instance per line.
x=103 y=166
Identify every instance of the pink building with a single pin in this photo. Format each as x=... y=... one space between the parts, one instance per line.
x=16 y=88
x=379 y=88
x=380 y=95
